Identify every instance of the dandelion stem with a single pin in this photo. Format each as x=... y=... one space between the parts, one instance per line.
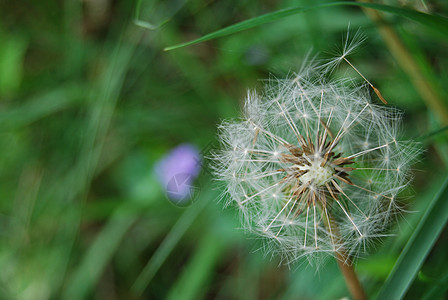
x=345 y=263
x=350 y=276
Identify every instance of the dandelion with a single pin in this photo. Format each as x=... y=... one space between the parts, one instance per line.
x=314 y=166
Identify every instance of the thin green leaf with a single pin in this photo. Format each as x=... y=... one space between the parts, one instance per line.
x=105 y=245
x=41 y=106
x=432 y=134
x=98 y=255
x=194 y=277
x=437 y=289
x=436 y=22
x=164 y=13
x=418 y=247
x=168 y=244
x=139 y=22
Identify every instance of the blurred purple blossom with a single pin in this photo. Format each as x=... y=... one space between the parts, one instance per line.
x=177 y=171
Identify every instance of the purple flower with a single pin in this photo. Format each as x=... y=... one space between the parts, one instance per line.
x=177 y=172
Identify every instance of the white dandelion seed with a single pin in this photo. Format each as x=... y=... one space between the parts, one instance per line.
x=314 y=165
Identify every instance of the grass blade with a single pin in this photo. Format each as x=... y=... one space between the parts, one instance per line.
x=436 y=291
x=168 y=245
x=436 y=22
x=431 y=134
x=99 y=255
x=418 y=247
x=193 y=280
x=164 y=12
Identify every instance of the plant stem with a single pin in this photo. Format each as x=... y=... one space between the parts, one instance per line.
x=350 y=276
x=345 y=263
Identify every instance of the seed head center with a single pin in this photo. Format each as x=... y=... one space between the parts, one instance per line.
x=316 y=173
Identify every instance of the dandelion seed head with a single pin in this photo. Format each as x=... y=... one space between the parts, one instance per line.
x=314 y=166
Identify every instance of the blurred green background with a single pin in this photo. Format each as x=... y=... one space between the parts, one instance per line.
x=89 y=102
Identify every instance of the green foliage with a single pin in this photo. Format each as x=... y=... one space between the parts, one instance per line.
x=414 y=253
x=11 y=58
